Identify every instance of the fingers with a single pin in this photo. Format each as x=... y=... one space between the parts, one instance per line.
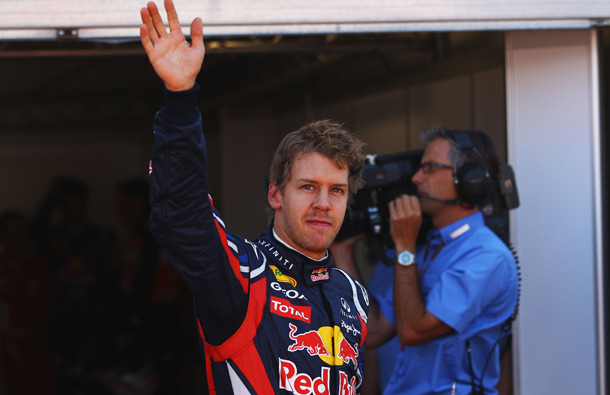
x=172 y=16
x=146 y=42
x=157 y=21
x=150 y=31
x=197 y=33
x=404 y=206
x=405 y=221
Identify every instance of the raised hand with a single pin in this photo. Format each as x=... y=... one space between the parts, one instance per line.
x=175 y=61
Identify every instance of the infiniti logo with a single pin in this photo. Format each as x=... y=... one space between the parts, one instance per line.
x=345 y=305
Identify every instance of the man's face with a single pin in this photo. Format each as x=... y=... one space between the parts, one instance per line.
x=437 y=182
x=310 y=210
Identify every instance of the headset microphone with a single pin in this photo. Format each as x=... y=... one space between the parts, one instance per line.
x=444 y=201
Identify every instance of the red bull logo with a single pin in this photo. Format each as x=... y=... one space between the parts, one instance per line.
x=347 y=387
x=302 y=383
x=319 y=274
x=348 y=353
x=310 y=341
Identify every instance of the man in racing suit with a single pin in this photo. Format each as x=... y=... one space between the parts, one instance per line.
x=274 y=316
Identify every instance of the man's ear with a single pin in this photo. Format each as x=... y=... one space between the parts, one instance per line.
x=274 y=196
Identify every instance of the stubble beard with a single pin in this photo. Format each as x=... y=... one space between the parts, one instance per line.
x=311 y=240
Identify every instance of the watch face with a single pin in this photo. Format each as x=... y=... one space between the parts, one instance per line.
x=405 y=258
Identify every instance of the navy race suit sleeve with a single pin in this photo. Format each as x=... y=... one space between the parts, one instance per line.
x=184 y=221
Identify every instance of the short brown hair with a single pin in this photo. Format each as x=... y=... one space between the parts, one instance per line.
x=326 y=137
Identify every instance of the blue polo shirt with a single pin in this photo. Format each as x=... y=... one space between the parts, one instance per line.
x=468 y=279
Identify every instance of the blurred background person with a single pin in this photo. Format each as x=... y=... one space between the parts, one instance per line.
x=24 y=310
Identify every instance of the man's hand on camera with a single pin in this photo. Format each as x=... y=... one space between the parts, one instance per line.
x=405 y=221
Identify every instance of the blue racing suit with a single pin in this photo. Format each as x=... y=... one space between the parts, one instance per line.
x=271 y=320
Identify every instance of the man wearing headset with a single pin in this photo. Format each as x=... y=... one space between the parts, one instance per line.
x=453 y=295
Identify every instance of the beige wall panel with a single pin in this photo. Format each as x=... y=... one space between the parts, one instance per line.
x=489 y=107
x=380 y=121
x=447 y=103
x=245 y=161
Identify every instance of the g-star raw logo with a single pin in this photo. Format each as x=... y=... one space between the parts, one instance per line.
x=350 y=328
x=319 y=274
x=289 y=293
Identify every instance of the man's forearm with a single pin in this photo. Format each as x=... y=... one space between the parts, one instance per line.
x=409 y=308
x=414 y=324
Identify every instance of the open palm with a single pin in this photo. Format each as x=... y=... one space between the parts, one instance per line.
x=175 y=61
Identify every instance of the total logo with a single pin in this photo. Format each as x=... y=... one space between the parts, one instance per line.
x=286 y=309
x=320 y=341
x=304 y=384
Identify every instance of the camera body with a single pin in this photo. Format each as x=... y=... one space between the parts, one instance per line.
x=386 y=177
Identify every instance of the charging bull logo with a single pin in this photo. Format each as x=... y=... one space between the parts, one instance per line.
x=348 y=353
x=311 y=341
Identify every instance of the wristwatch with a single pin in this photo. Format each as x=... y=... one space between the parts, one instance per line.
x=405 y=258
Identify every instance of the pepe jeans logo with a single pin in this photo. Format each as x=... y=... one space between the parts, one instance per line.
x=351 y=328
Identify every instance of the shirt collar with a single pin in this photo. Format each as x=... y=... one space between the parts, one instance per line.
x=456 y=229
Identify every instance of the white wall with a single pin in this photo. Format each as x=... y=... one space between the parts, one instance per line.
x=551 y=134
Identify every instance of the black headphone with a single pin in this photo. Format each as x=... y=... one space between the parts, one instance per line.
x=472 y=179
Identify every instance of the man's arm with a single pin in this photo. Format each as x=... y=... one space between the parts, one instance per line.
x=342 y=252
x=414 y=324
x=183 y=219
